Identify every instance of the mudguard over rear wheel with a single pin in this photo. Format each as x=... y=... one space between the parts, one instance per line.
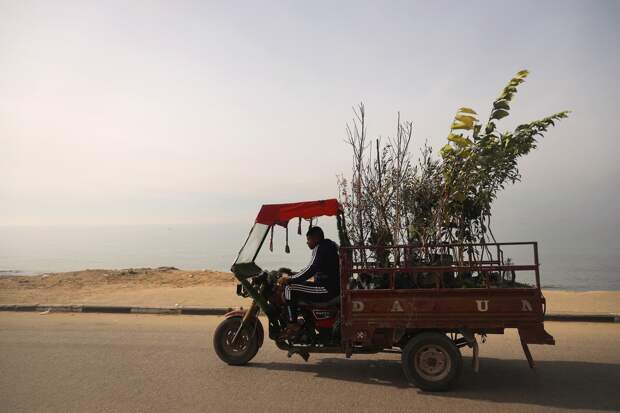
x=244 y=347
x=432 y=361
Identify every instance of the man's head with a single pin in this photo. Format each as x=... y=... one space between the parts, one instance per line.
x=314 y=236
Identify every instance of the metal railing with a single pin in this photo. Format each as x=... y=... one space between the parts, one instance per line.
x=440 y=260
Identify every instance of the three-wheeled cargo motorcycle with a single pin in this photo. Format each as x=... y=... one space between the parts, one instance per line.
x=423 y=301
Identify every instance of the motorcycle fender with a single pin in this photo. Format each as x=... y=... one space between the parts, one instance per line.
x=235 y=313
x=259 y=326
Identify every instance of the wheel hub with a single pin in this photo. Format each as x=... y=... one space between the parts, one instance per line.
x=432 y=363
x=240 y=344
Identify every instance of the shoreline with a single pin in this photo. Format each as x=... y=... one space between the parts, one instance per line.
x=7 y=274
x=172 y=287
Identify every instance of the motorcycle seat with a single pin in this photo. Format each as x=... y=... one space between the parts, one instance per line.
x=334 y=302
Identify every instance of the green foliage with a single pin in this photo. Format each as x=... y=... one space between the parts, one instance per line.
x=476 y=169
x=421 y=197
x=436 y=199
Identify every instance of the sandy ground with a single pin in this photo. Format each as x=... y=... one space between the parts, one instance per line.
x=145 y=363
x=603 y=302
x=168 y=287
x=160 y=287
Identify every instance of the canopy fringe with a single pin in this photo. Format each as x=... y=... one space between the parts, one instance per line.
x=287 y=249
x=271 y=240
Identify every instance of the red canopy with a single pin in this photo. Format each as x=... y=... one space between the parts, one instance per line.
x=281 y=213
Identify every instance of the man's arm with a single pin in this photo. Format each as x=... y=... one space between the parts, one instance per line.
x=311 y=269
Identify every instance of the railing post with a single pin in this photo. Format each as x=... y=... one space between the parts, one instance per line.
x=537 y=264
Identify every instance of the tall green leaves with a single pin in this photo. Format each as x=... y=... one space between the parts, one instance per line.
x=501 y=106
x=391 y=199
x=476 y=169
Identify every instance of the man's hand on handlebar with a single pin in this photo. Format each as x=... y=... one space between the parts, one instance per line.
x=283 y=280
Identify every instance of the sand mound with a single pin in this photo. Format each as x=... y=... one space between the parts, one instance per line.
x=142 y=277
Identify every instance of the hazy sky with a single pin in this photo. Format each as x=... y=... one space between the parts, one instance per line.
x=192 y=112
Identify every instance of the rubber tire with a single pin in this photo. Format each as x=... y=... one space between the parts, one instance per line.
x=219 y=338
x=440 y=340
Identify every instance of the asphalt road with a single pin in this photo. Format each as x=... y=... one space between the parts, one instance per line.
x=149 y=363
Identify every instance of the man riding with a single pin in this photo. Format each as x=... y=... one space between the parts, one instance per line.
x=324 y=266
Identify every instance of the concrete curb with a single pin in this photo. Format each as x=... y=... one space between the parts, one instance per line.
x=588 y=318
x=114 y=309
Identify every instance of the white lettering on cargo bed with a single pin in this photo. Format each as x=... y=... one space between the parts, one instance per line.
x=483 y=305
x=396 y=307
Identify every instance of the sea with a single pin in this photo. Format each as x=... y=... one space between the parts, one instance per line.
x=31 y=250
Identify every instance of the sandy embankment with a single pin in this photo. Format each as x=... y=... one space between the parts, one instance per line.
x=167 y=287
x=163 y=287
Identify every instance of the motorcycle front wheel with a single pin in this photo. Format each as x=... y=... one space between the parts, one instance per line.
x=244 y=347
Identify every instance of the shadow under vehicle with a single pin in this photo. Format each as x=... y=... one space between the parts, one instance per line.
x=425 y=302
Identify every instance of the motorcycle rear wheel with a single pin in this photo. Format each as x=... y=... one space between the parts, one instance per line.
x=245 y=347
x=432 y=361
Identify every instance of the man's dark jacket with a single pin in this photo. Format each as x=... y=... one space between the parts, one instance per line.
x=324 y=266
